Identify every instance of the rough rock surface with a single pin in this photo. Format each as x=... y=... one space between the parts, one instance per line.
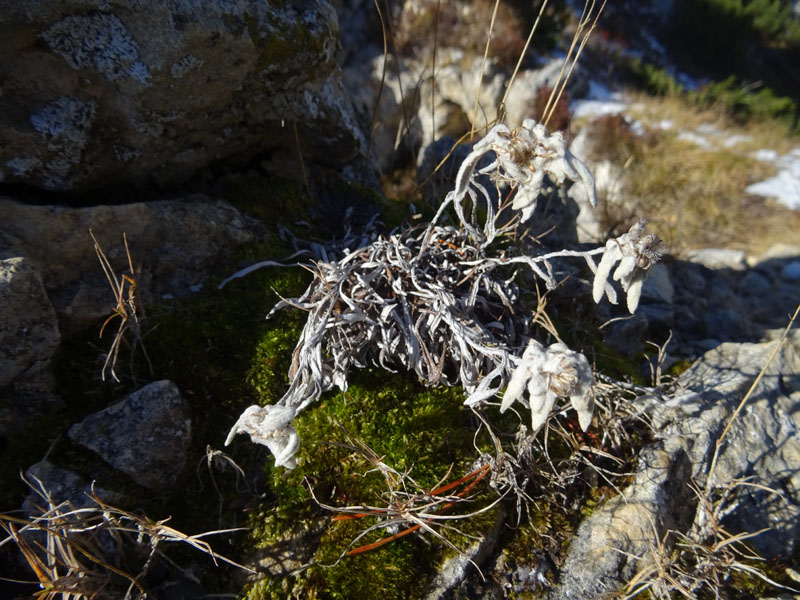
x=176 y=243
x=63 y=485
x=99 y=93
x=529 y=82
x=145 y=435
x=28 y=327
x=762 y=444
x=388 y=109
x=407 y=110
x=718 y=258
x=455 y=570
x=702 y=307
x=608 y=180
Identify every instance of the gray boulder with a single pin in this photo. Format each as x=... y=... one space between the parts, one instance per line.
x=529 y=82
x=62 y=485
x=762 y=446
x=99 y=93
x=176 y=243
x=718 y=258
x=145 y=435
x=28 y=328
x=394 y=98
x=451 y=575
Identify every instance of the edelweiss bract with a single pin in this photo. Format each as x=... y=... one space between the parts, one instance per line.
x=636 y=251
x=548 y=374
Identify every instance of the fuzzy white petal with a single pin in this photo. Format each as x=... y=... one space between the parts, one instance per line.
x=540 y=409
x=585 y=176
x=610 y=257
x=635 y=291
x=584 y=406
x=625 y=270
x=515 y=387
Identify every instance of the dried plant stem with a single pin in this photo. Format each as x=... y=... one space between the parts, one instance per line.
x=483 y=69
x=126 y=310
x=501 y=107
x=87 y=550
x=559 y=87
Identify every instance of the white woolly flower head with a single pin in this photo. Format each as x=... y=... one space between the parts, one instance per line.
x=270 y=426
x=524 y=156
x=635 y=251
x=547 y=374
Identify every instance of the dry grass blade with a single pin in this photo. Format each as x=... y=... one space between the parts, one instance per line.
x=560 y=86
x=701 y=523
x=409 y=507
x=702 y=560
x=501 y=108
x=99 y=549
x=483 y=70
x=124 y=290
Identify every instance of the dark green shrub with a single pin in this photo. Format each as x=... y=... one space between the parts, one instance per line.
x=653 y=80
x=733 y=36
x=745 y=102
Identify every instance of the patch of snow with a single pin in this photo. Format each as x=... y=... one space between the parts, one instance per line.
x=707 y=129
x=665 y=124
x=736 y=139
x=597 y=108
x=599 y=101
x=785 y=185
x=638 y=128
x=765 y=155
x=695 y=138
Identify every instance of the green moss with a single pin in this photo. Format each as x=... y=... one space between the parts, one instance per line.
x=418 y=430
x=282 y=45
x=271 y=200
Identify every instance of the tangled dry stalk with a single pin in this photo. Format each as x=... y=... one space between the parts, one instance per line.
x=131 y=316
x=94 y=551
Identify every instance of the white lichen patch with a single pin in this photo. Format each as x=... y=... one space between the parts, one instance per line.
x=184 y=65
x=22 y=165
x=100 y=41
x=64 y=124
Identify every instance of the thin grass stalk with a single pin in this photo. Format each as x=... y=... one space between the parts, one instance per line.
x=552 y=105
x=483 y=69
x=373 y=120
x=502 y=107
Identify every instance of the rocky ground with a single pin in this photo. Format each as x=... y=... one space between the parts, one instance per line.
x=148 y=156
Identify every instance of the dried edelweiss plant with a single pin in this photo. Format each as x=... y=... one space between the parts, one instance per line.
x=550 y=373
x=441 y=301
x=636 y=251
x=524 y=157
